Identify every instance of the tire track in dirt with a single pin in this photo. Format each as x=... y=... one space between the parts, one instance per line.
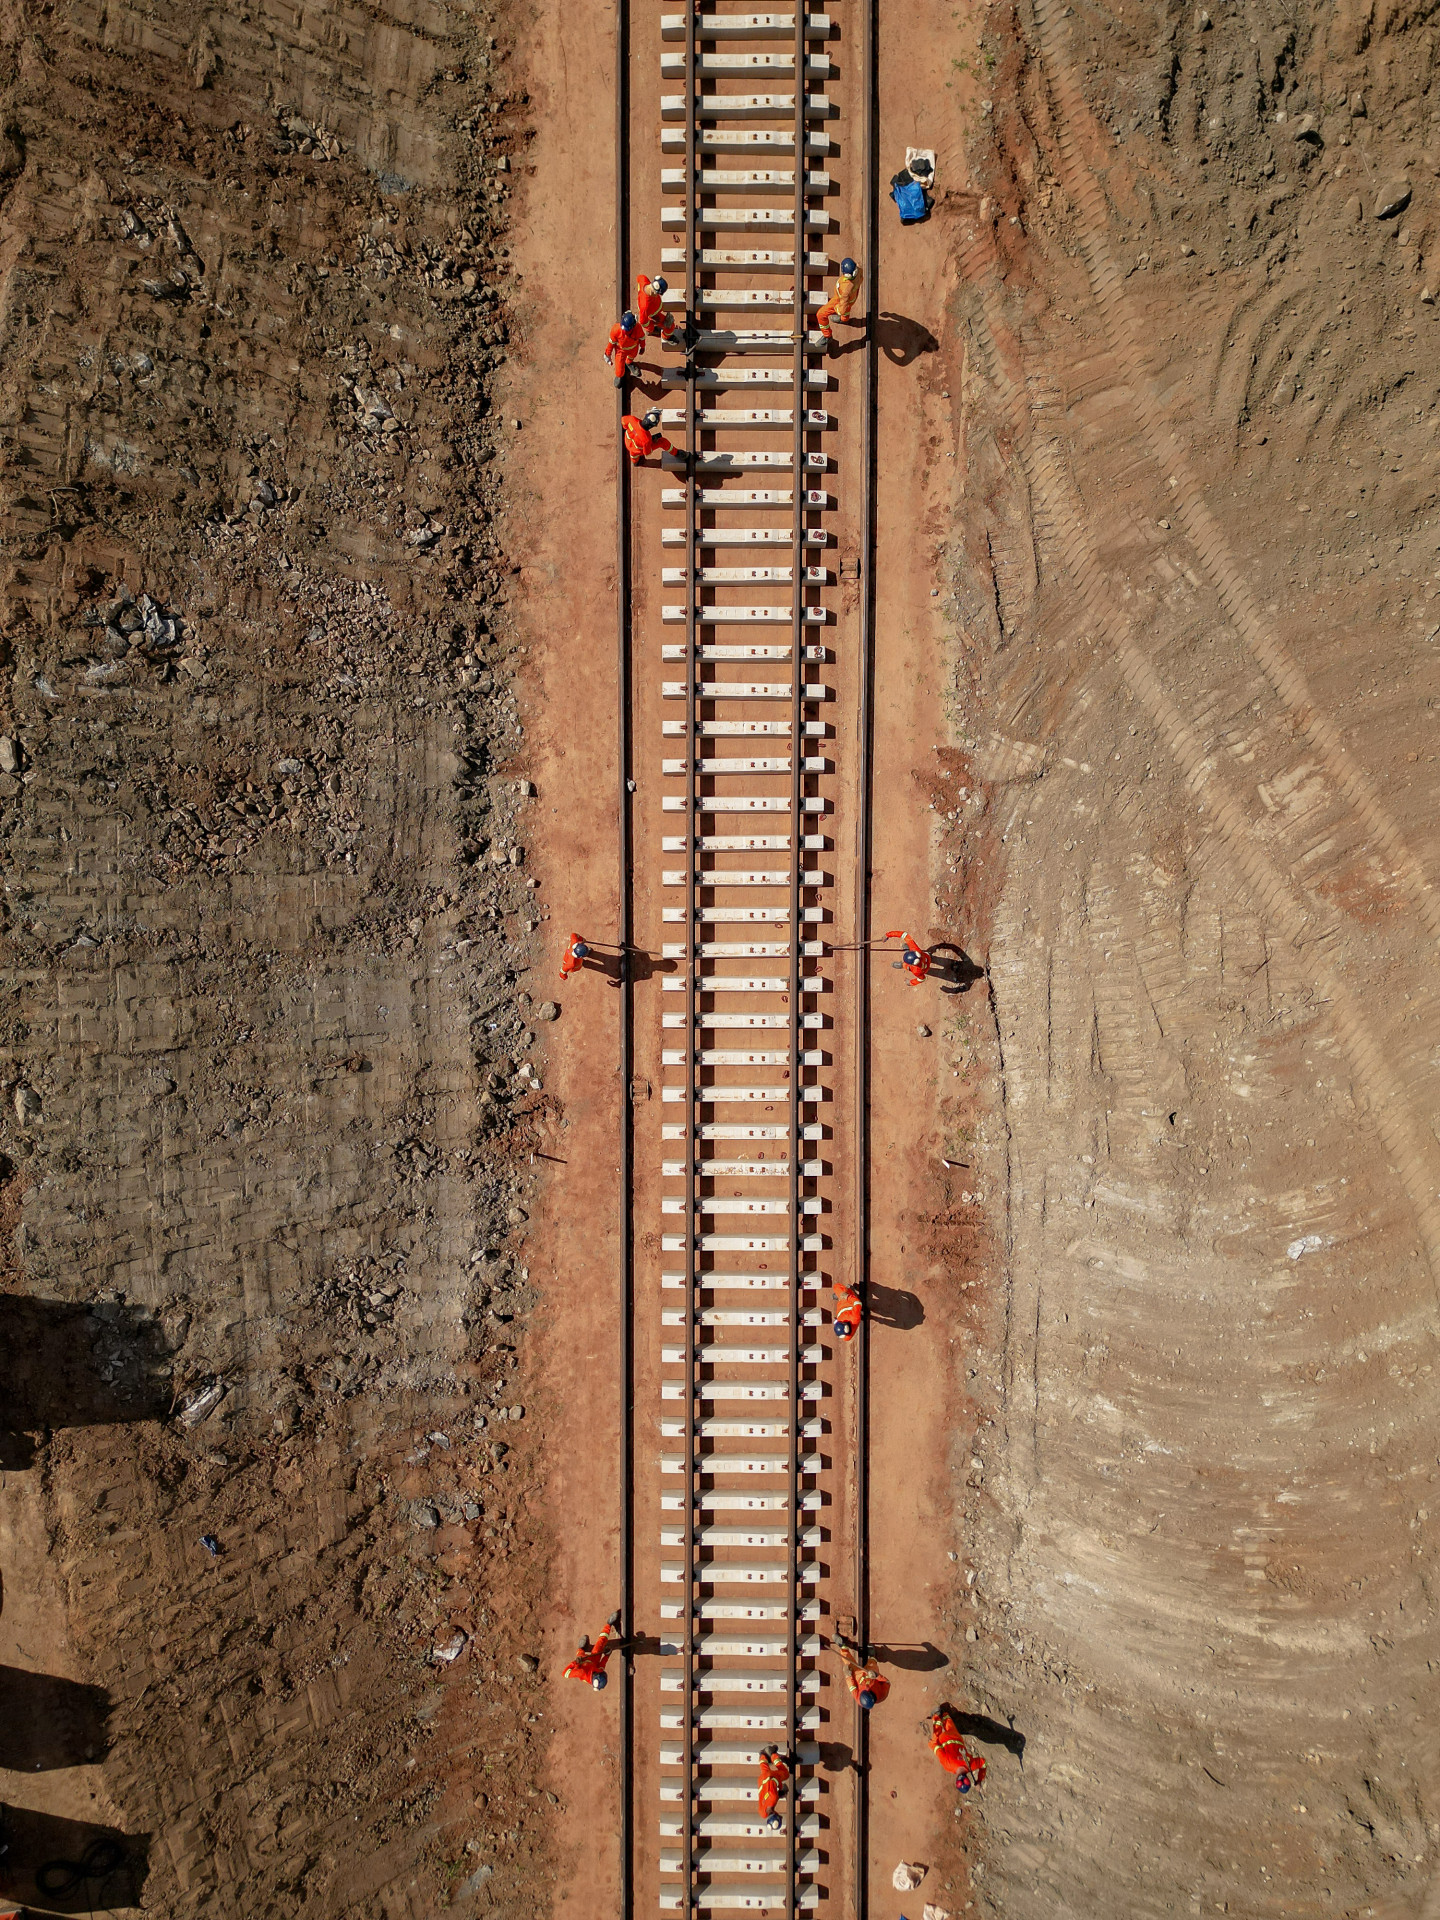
x=1068 y=110
x=1401 y=1130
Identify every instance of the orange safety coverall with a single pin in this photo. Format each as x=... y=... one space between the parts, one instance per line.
x=650 y=310
x=574 y=957
x=840 y=302
x=914 y=956
x=639 y=440
x=773 y=1775
x=849 y=1311
x=586 y=1665
x=625 y=345
x=862 y=1675
x=951 y=1751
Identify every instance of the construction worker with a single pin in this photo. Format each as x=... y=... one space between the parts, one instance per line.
x=627 y=337
x=773 y=1775
x=953 y=1754
x=576 y=954
x=914 y=958
x=849 y=1311
x=643 y=437
x=649 y=306
x=589 y=1662
x=868 y=1686
x=838 y=306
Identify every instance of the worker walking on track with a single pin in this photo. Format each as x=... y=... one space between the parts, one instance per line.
x=953 y=1754
x=913 y=957
x=627 y=337
x=589 y=1662
x=868 y=1686
x=849 y=1311
x=576 y=954
x=643 y=437
x=773 y=1775
x=650 y=307
x=838 y=306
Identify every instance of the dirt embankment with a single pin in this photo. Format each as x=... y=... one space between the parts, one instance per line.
x=272 y=1074
x=1198 y=607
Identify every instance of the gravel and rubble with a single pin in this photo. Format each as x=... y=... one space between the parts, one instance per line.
x=271 y=1078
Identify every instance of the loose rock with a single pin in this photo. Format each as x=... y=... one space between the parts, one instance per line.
x=1392 y=199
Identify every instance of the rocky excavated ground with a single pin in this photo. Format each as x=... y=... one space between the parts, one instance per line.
x=272 y=1057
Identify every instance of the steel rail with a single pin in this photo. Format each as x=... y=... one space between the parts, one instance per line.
x=624 y=640
x=692 y=944
x=863 y=864
x=797 y=822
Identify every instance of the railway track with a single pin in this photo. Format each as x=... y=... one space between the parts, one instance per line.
x=744 y=642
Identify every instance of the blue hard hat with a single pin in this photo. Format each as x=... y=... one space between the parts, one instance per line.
x=847 y=266
x=867 y=1699
x=660 y=286
x=598 y=1680
x=650 y=419
x=627 y=319
x=963 y=1781
x=843 y=1330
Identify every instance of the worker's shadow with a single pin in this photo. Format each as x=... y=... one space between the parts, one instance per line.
x=953 y=967
x=979 y=1726
x=911 y=1656
x=625 y=963
x=836 y=1757
x=894 y=1307
x=902 y=341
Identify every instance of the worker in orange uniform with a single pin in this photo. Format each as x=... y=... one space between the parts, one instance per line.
x=650 y=308
x=627 y=337
x=589 y=1662
x=643 y=437
x=914 y=958
x=773 y=1775
x=849 y=1311
x=838 y=306
x=953 y=1754
x=576 y=954
x=868 y=1686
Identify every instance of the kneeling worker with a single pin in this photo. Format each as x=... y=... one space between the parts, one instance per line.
x=643 y=436
x=773 y=1775
x=953 y=1754
x=868 y=1686
x=589 y=1662
x=849 y=1311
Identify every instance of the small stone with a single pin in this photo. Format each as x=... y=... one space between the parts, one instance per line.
x=502 y=165
x=425 y=1515
x=547 y=1010
x=1427 y=296
x=1354 y=212
x=1307 y=128
x=27 y=1105
x=529 y=1663
x=516 y=425
x=972 y=1633
x=517 y=1413
x=1392 y=199
x=517 y=856
x=449 y=1647
x=517 y=1216
x=923 y=1031
x=265 y=494
x=9 y=754
x=1187 y=252
x=525 y=788
x=470 y=1510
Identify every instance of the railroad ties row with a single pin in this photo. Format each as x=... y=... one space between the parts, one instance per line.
x=741 y=1304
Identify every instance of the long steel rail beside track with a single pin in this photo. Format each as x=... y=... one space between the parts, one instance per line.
x=739 y=1646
